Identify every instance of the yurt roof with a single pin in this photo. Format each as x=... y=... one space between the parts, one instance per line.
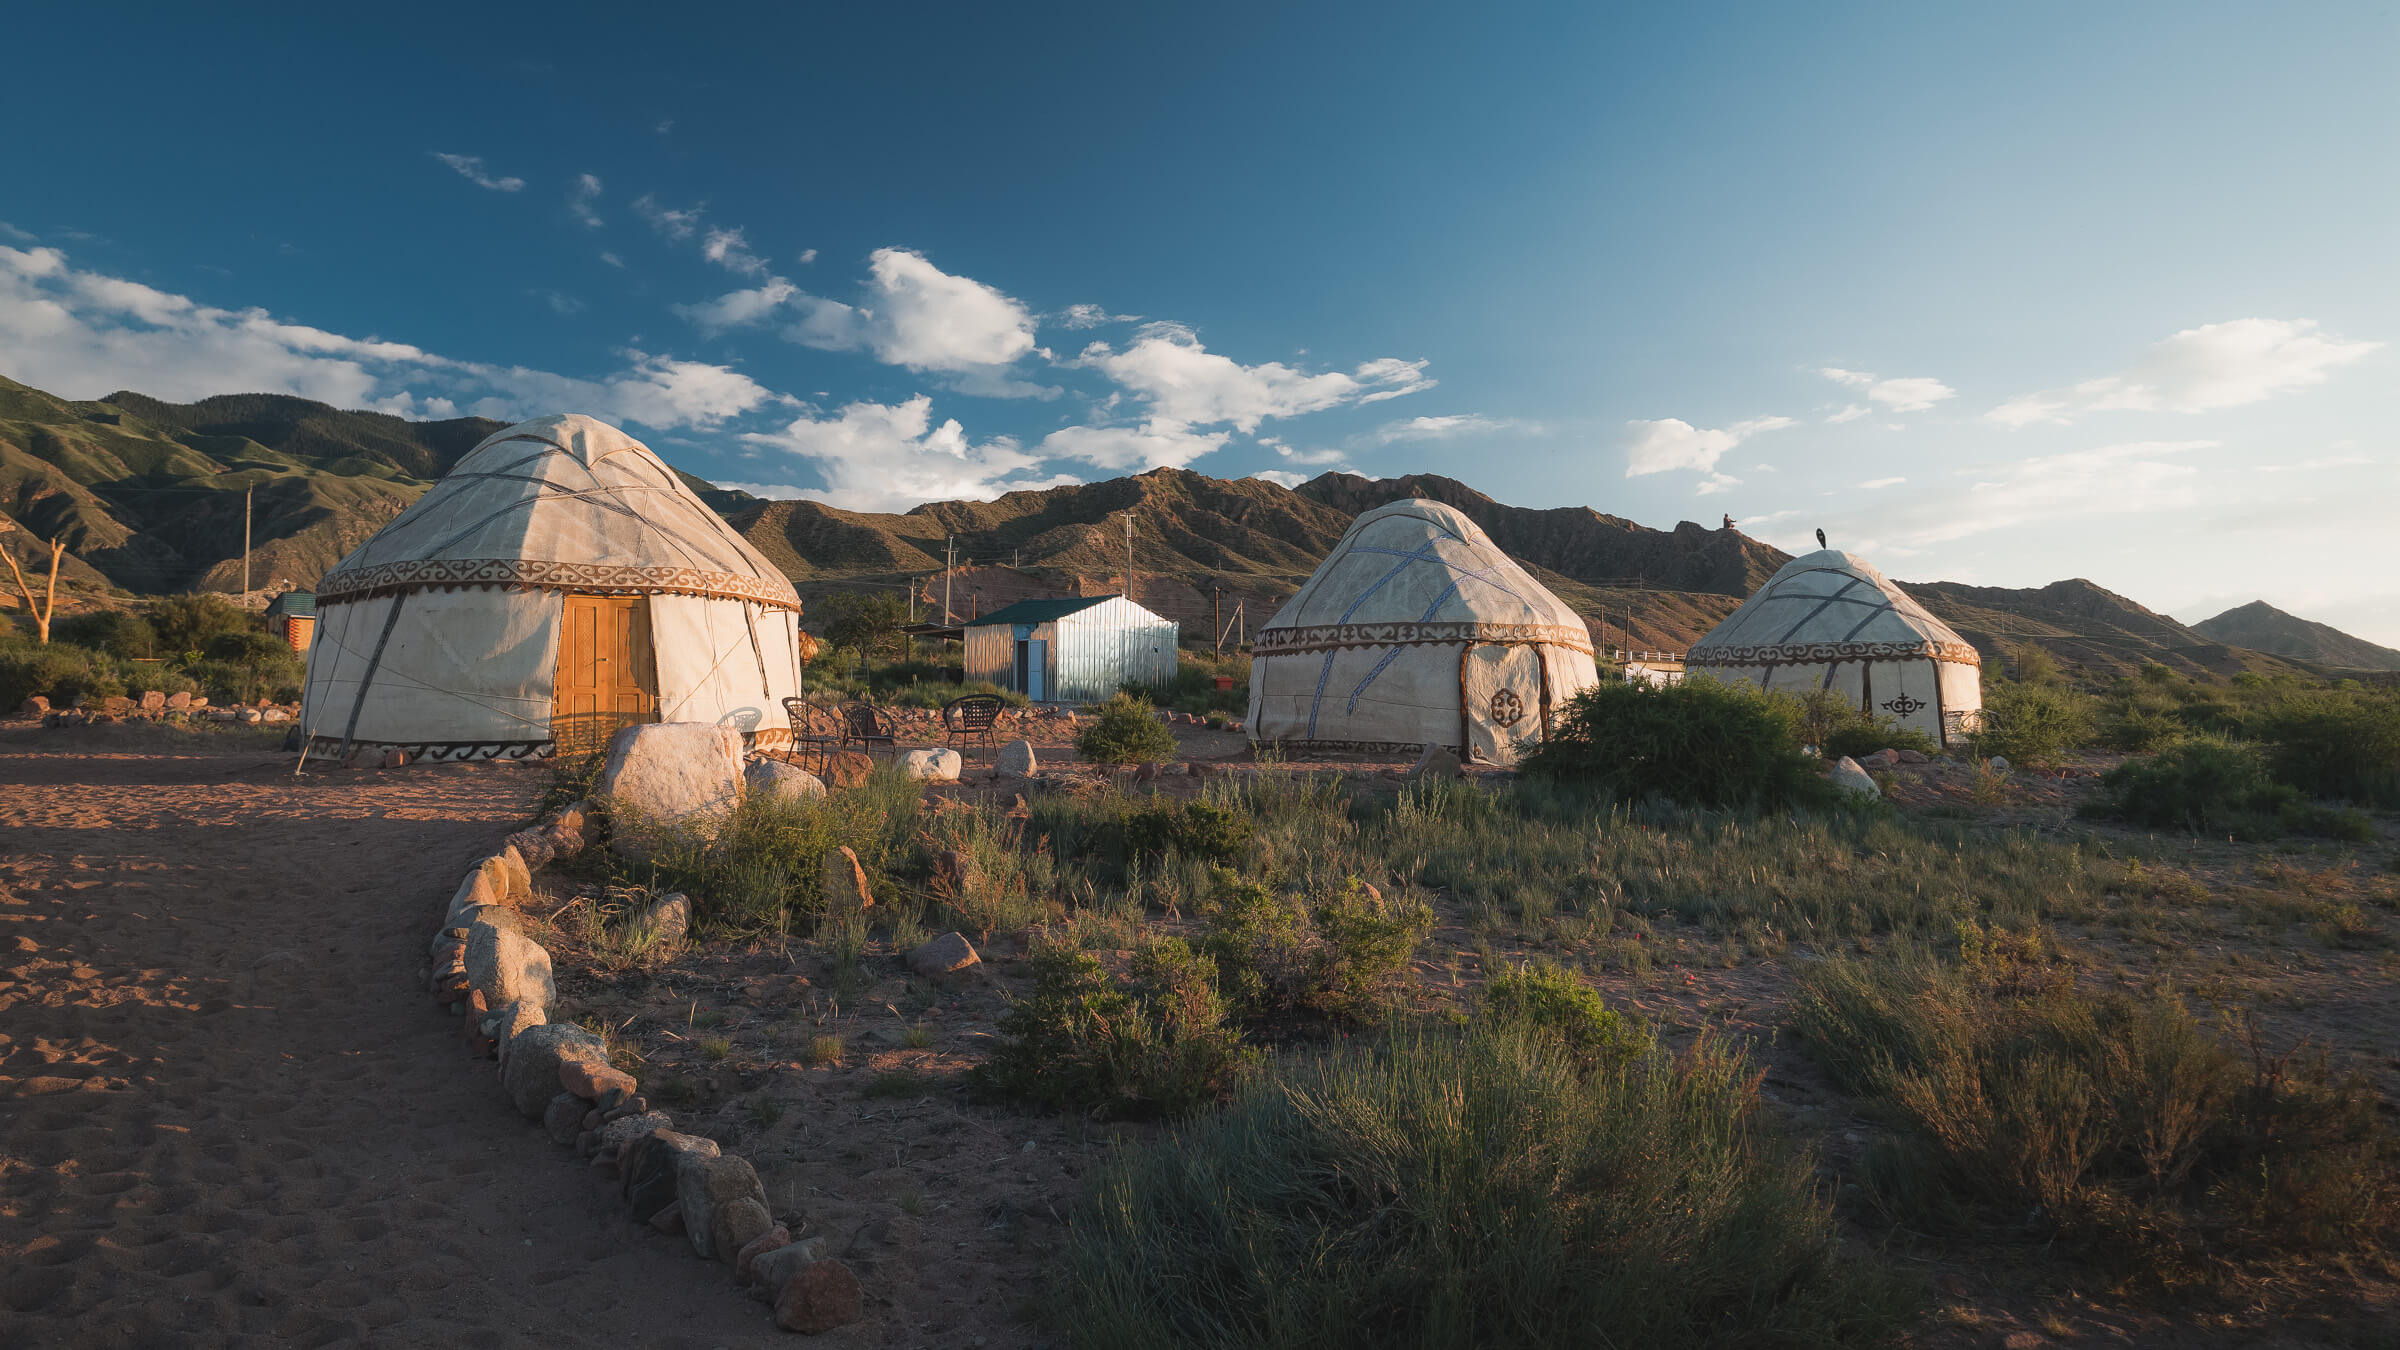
x=565 y=503
x=1829 y=606
x=1418 y=571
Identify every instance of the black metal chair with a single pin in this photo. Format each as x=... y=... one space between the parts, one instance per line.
x=815 y=733
x=972 y=717
x=869 y=726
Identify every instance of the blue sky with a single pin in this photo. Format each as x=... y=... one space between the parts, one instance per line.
x=1992 y=294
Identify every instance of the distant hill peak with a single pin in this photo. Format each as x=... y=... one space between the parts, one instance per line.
x=2262 y=627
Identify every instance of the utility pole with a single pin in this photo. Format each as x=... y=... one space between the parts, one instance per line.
x=949 y=565
x=1129 y=554
x=1216 y=616
x=246 y=542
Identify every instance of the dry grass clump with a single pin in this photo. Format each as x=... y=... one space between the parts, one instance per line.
x=2028 y=1108
x=1490 y=1189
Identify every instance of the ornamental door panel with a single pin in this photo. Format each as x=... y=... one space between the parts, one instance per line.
x=607 y=671
x=1503 y=696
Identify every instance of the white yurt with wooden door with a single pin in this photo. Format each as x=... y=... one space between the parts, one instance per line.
x=1417 y=630
x=557 y=584
x=1829 y=620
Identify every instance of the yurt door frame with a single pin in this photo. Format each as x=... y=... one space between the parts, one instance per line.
x=607 y=671
x=1493 y=718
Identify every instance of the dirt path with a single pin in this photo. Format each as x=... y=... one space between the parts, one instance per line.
x=227 y=1114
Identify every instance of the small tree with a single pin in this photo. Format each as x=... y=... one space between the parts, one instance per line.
x=48 y=605
x=867 y=622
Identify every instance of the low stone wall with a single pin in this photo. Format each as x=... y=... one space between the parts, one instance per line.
x=490 y=974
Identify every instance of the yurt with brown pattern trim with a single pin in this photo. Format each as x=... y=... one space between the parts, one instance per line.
x=1829 y=620
x=560 y=582
x=1417 y=630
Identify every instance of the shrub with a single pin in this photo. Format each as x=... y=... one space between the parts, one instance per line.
x=1152 y=1044
x=1332 y=955
x=1126 y=731
x=1837 y=726
x=120 y=633
x=2110 y=1120
x=1698 y=743
x=2030 y=724
x=57 y=670
x=2209 y=787
x=185 y=623
x=1548 y=998
x=764 y=866
x=1492 y=1190
x=2341 y=747
x=1194 y=686
x=1193 y=829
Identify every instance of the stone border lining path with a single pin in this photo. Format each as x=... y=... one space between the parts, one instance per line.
x=485 y=969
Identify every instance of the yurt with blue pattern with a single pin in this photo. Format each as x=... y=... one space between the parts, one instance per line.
x=1417 y=630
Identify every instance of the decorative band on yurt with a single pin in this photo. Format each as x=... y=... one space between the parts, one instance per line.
x=1817 y=653
x=533 y=574
x=1322 y=637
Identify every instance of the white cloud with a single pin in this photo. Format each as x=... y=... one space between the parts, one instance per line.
x=2133 y=479
x=612 y=260
x=807 y=256
x=1873 y=484
x=1285 y=477
x=2218 y=365
x=671 y=223
x=1912 y=393
x=470 y=167
x=890 y=456
x=1672 y=443
x=1188 y=385
x=559 y=301
x=580 y=198
x=1154 y=444
x=1451 y=427
x=2321 y=462
x=1091 y=316
x=914 y=314
x=1850 y=413
x=737 y=308
x=8 y=231
x=729 y=250
x=84 y=334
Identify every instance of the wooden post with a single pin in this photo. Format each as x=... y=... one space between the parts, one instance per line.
x=246 y=491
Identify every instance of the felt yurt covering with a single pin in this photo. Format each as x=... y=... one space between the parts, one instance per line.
x=1829 y=620
x=1417 y=630
x=559 y=574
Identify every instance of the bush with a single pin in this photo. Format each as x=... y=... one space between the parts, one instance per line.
x=2346 y=748
x=185 y=623
x=57 y=670
x=1152 y=1044
x=1838 y=727
x=120 y=633
x=2030 y=724
x=1698 y=743
x=1548 y=998
x=1194 y=687
x=2210 y=787
x=1332 y=955
x=1491 y=1190
x=1126 y=731
x=1193 y=829
x=2112 y=1121
x=765 y=866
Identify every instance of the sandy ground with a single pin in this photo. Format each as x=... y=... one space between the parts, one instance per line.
x=228 y=1116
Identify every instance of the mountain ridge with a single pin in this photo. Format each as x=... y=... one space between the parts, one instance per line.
x=2262 y=627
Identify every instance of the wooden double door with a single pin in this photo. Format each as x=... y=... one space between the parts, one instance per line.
x=607 y=671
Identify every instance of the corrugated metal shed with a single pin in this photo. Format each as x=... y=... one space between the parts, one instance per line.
x=1075 y=649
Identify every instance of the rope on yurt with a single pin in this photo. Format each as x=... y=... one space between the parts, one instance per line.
x=366 y=680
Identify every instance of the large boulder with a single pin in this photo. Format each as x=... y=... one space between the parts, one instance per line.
x=771 y=1270
x=529 y=1071
x=506 y=966
x=847 y=768
x=1854 y=780
x=777 y=781
x=938 y=765
x=724 y=1207
x=670 y=778
x=1017 y=760
x=34 y=709
x=1437 y=761
x=945 y=955
x=818 y=1299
